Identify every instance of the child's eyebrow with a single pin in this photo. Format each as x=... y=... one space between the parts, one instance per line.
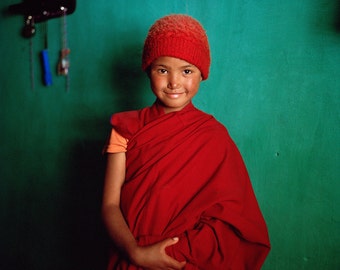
x=160 y=65
x=187 y=66
x=167 y=67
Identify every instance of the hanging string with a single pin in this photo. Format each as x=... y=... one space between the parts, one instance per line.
x=64 y=63
x=28 y=32
x=64 y=28
x=31 y=64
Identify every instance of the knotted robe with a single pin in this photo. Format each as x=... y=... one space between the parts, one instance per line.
x=185 y=177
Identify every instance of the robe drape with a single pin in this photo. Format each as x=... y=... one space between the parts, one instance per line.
x=185 y=177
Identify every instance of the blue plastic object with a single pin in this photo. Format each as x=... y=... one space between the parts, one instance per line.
x=47 y=76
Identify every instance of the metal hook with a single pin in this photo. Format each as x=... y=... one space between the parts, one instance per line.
x=28 y=30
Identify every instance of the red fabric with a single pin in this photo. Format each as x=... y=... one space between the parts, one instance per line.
x=186 y=178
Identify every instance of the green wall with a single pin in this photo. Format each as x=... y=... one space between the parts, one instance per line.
x=275 y=83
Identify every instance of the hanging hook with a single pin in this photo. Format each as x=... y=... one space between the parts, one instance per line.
x=28 y=30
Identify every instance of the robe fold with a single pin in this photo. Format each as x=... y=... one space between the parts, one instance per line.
x=185 y=177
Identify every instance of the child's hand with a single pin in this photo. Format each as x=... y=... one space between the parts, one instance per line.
x=154 y=257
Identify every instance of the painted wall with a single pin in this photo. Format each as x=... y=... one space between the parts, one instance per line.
x=275 y=83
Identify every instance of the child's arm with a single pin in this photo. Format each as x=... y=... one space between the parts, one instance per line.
x=111 y=213
x=149 y=257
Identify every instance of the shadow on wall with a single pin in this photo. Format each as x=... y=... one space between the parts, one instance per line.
x=128 y=79
x=89 y=243
x=337 y=17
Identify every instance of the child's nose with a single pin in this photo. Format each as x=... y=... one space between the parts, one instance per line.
x=174 y=82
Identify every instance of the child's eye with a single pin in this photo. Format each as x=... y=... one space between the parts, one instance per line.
x=187 y=71
x=162 y=70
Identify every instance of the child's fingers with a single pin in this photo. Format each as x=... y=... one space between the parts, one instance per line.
x=170 y=241
x=174 y=264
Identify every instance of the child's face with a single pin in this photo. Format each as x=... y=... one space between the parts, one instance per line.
x=174 y=82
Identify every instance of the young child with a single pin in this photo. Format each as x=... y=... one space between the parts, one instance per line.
x=177 y=194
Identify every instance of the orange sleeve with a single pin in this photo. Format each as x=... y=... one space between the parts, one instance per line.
x=116 y=143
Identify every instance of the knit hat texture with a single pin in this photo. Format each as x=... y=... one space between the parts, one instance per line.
x=179 y=36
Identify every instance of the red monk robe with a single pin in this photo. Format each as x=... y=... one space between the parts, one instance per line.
x=185 y=177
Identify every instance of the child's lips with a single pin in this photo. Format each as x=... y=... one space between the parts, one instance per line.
x=173 y=95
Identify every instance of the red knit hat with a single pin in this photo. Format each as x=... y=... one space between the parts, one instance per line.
x=179 y=36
